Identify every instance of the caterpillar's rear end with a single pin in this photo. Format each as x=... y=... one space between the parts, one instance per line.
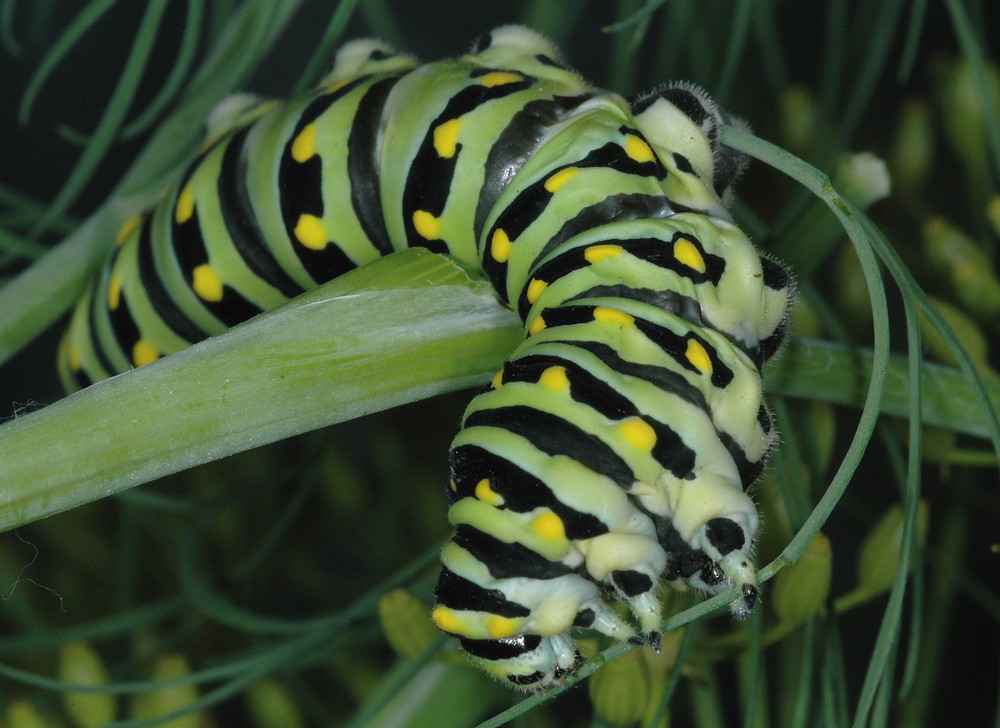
x=612 y=452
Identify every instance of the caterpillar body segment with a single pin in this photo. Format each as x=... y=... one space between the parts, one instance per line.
x=612 y=453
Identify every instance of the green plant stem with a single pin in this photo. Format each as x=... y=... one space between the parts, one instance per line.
x=407 y=327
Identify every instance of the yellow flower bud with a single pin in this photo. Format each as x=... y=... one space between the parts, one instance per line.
x=966 y=106
x=879 y=555
x=620 y=690
x=993 y=213
x=913 y=148
x=800 y=591
x=406 y=623
x=79 y=663
x=800 y=119
x=22 y=714
x=272 y=707
x=968 y=333
x=169 y=698
x=964 y=268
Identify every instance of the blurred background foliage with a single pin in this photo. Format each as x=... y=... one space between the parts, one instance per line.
x=260 y=590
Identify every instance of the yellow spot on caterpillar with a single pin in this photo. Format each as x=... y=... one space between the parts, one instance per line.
x=143 y=353
x=427 y=226
x=114 y=292
x=500 y=246
x=206 y=283
x=446 y=138
x=638 y=433
x=597 y=253
x=486 y=494
x=453 y=485
x=537 y=325
x=304 y=146
x=687 y=253
x=499 y=78
x=499 y=627
x=126 y=229
x=613 y=315
x=554 y=379
x=549 y=526
x=637 y=149
x=185 y=205
x=535 y=290
x=557 y=180
x=698 y=356
x=447 y=620
x=73 y=357
x=497 y=380
x=310 y=232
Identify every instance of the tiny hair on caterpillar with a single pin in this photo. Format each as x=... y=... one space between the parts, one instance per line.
x=611 y=455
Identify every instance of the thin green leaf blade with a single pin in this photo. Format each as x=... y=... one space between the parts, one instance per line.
x=826 y=371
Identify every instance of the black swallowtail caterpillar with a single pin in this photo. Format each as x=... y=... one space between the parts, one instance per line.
x=612 y=452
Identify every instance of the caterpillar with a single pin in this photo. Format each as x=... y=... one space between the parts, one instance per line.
x=611 y=454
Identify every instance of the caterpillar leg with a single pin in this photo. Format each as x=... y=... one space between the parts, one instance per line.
x=741 y=572
x=733 y=562
x=632 y=565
